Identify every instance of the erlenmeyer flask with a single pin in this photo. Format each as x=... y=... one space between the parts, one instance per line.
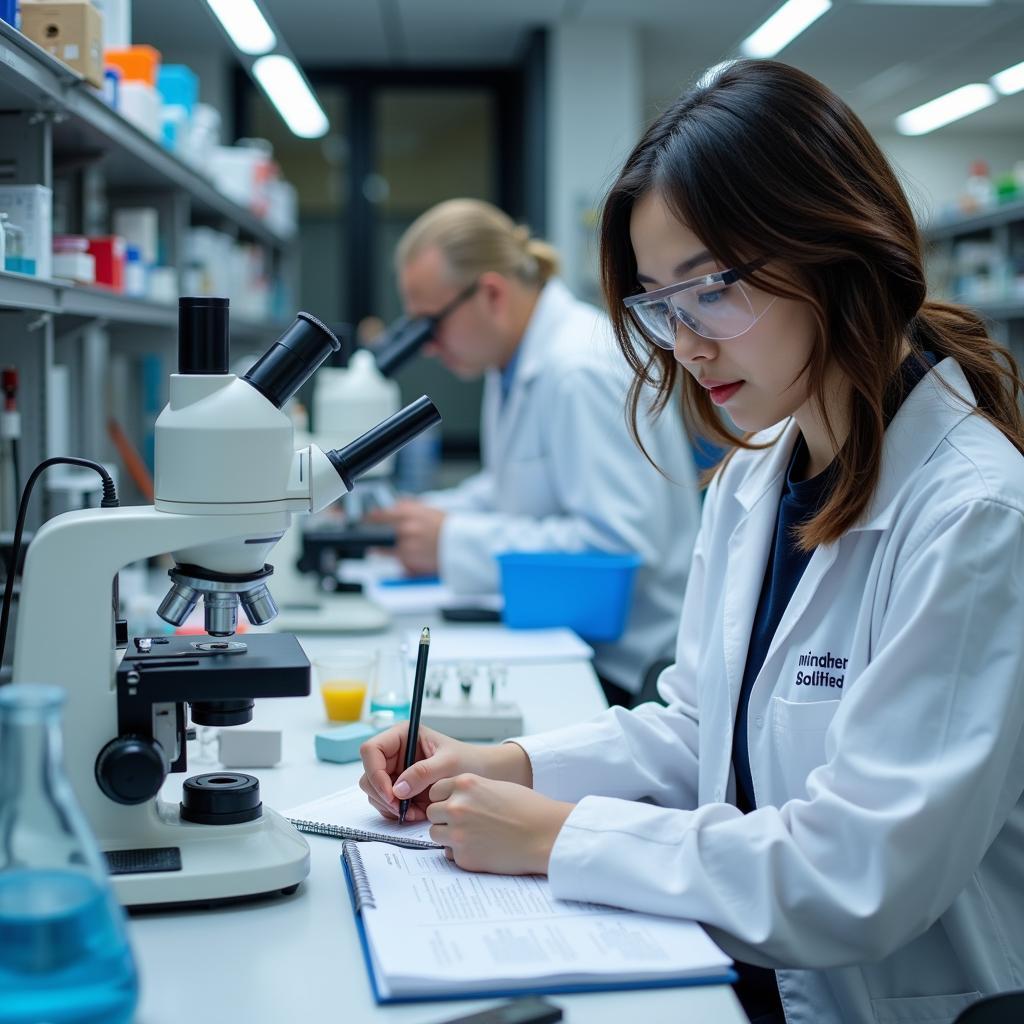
x=64 y=953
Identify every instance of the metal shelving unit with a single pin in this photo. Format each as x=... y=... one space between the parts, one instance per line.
x=85 y=129
x=54 y=125
x=976 y=223
x=1003 y=227
x=62 y=299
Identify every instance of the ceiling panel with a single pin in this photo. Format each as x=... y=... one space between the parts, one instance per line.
x=331 y=32
x=881 y=58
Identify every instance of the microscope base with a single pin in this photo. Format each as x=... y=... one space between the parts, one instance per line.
x=333 y=613
x=218 y=862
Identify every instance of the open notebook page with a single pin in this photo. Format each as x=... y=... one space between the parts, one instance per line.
x=349 y=808
x=434 y=928
x=499 y=643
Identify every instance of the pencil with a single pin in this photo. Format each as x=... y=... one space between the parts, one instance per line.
x=413 y=739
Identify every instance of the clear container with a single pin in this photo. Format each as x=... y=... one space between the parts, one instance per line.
x=344 y=677
x=14 y=247
x=64 y=952
x=389 y=698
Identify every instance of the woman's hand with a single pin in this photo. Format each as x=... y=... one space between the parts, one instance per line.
x=439 y=757
x=500 y=827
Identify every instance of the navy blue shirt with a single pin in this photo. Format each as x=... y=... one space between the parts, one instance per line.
x=508 y=375
x=801 y=500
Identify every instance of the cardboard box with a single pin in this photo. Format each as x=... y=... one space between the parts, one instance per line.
x=71 y=30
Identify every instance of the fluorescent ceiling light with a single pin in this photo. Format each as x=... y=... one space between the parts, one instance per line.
x=287 y=89
x=944 y=109
x=1009 y=81
x=244 y=23
x=930 y=3
x=783 y=27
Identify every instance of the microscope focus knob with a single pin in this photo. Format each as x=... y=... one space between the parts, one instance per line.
x=130 y=769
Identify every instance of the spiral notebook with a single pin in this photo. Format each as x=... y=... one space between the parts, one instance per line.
x=347 y=814
x=430 y=930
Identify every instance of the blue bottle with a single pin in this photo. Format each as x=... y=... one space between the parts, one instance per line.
x=64 y=952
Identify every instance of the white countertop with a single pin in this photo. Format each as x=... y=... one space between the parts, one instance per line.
x=297 y=958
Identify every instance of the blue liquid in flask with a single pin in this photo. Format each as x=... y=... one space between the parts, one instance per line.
x=63 y=957
x=397 y=705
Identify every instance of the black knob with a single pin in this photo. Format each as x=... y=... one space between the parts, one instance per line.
x=130 y=769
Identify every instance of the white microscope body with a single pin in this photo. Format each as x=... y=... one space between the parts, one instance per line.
x=228 y=480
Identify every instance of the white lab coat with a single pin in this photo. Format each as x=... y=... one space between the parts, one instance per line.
x=884 y=866
x=561 y=473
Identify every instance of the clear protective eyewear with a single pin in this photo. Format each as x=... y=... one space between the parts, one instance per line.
x=715 y=306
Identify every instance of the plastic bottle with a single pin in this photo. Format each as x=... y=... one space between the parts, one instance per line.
x=348 y=402
x=979 y=193
x=64 y=952
x=134 y=272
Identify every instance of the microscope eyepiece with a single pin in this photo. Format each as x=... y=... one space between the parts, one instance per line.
x=383 y=440
x=292 y=359
x=404 y=339
x=202 y=334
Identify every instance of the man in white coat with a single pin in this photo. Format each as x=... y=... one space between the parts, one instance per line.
x=560 y=469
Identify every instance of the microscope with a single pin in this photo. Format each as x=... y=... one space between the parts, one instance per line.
x=313 y=592
x=228 y=481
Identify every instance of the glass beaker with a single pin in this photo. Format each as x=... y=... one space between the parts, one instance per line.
x=64 y=952
x=389 y=698
x=344 y=677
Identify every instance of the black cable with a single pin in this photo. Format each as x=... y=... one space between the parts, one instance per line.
x=109 y=501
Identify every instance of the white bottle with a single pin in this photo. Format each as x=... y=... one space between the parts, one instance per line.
x=347 y=402
x=979 y=192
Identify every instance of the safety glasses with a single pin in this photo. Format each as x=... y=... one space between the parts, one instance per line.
x=467 y=293
x=716 y=306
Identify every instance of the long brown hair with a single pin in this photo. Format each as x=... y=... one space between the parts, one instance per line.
x=760 y=159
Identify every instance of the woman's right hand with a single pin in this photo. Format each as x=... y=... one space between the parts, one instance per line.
x=439 y=757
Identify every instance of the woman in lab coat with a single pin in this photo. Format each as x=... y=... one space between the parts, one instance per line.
x=560 y=469
x=834 y=789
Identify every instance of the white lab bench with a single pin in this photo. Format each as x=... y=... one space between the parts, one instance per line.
x=298 y=958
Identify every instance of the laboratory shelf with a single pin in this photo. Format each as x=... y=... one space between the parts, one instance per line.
x=86 y=129
x=18 y=292
x=1013 y=310
x=1007 y=213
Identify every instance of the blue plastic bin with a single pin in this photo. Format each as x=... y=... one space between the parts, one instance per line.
x=587 y=591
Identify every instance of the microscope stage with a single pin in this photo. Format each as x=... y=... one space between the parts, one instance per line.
x=253 y=665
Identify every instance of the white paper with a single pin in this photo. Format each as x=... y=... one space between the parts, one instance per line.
x=349 y=808
x=424 y=598
x=434 y=927
x=498 y=643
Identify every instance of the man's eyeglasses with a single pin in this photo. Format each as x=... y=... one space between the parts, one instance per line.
x=715 y=306
x=449 y=307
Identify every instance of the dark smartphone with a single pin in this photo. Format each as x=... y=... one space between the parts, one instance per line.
x=519 y=1011
x=468 y=613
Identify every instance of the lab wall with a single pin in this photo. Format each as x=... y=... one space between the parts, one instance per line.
x=934 y=169
x=594 y=115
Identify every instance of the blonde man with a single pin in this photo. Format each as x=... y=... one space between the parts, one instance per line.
x=560 y=469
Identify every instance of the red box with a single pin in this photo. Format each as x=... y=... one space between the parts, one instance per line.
x=109 y=255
